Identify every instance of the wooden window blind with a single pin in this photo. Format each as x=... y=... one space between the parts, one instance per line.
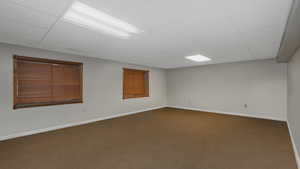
x=42 y=82
x=135 y=83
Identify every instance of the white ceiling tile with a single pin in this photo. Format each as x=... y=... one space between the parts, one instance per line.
x=16 y=31
x=23 y=41
x=226 y=31
x=264 y=44
x=254 y=15
x=20 y=14
x=53 y=7
x=71 y=36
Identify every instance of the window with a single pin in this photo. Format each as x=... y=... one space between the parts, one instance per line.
x=41 y=82
x=135 y=83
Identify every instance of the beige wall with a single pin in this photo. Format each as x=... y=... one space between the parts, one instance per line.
x=227 y=87
x=102 y=93
x=222 y=87
x=294 y=98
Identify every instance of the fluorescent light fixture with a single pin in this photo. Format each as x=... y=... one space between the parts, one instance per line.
x=198 y=58
x=89 y=17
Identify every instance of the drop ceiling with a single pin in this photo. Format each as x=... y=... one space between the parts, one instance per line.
x=225 y=31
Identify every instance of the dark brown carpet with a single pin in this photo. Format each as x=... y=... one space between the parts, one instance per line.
x=161 y=139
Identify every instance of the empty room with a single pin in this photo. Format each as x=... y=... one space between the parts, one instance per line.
x=158 y=84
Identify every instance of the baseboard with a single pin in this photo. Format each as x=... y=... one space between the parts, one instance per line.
x=229 y=113
x=32 y=132
x=294 y=146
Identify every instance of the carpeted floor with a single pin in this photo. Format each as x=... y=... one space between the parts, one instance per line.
x=160 y=139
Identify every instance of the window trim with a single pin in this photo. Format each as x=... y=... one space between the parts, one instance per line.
x=146 y=94
x=43 y=60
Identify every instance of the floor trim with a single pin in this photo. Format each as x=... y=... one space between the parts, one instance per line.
x=32 y=132
x=294 y=146
x=228 y=113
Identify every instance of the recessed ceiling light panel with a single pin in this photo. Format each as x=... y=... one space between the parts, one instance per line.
x=89 y=17
x=198 y=58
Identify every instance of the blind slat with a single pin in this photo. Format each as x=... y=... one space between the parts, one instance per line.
x=46 y=83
